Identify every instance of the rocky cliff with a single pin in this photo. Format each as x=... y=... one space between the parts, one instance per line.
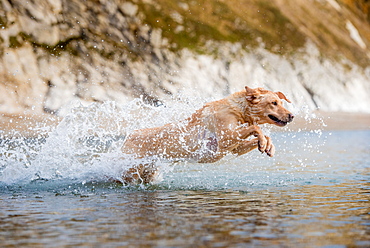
x=55 y=51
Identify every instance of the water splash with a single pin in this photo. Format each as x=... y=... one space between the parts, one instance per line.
x=86 y=144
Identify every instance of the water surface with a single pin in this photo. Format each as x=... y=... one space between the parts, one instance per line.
x=314 y=193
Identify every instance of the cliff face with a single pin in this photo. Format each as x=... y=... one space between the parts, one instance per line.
x=56 y=51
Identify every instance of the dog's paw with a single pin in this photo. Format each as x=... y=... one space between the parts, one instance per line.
x=271 y=151
x=262 y=143
x=270 y=148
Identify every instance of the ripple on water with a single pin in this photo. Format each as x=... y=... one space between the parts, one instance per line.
x=55 y=191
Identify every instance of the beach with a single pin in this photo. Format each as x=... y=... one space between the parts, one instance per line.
x=30 y=125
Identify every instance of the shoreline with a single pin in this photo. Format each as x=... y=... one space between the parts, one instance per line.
x=29 y=125
x=331 y=121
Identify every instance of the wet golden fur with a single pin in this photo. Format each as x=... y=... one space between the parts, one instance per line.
x=218 y=128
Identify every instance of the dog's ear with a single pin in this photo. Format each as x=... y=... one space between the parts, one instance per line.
x=249 y=91
x=253 y=95
x=282 y=96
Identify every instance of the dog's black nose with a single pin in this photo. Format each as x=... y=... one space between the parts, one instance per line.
x=290 y=117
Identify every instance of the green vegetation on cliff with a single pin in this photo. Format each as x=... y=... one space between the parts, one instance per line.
x=280 y=26
x=191 y=24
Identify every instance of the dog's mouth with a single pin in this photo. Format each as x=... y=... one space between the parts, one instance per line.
x=277 y=121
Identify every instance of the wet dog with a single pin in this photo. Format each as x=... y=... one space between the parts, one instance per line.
x=229 y=125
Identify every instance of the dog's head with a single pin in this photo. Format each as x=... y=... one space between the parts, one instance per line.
x=266 y=107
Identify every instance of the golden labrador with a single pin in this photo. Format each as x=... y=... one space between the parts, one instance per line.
x=218 y=128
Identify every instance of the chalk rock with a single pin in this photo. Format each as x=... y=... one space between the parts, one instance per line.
x=129 y=8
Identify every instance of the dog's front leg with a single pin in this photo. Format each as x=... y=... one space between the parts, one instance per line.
x=234 y=138
x=270 y=148
x=245 y=132
x=246 y=146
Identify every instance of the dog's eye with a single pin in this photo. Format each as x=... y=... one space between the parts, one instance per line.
x=274 y=103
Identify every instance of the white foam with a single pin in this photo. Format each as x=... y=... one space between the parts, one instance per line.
x=86 y=145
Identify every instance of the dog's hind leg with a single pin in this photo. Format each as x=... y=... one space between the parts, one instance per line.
x=149 y=173
x=132 y=175
x=141 y=174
